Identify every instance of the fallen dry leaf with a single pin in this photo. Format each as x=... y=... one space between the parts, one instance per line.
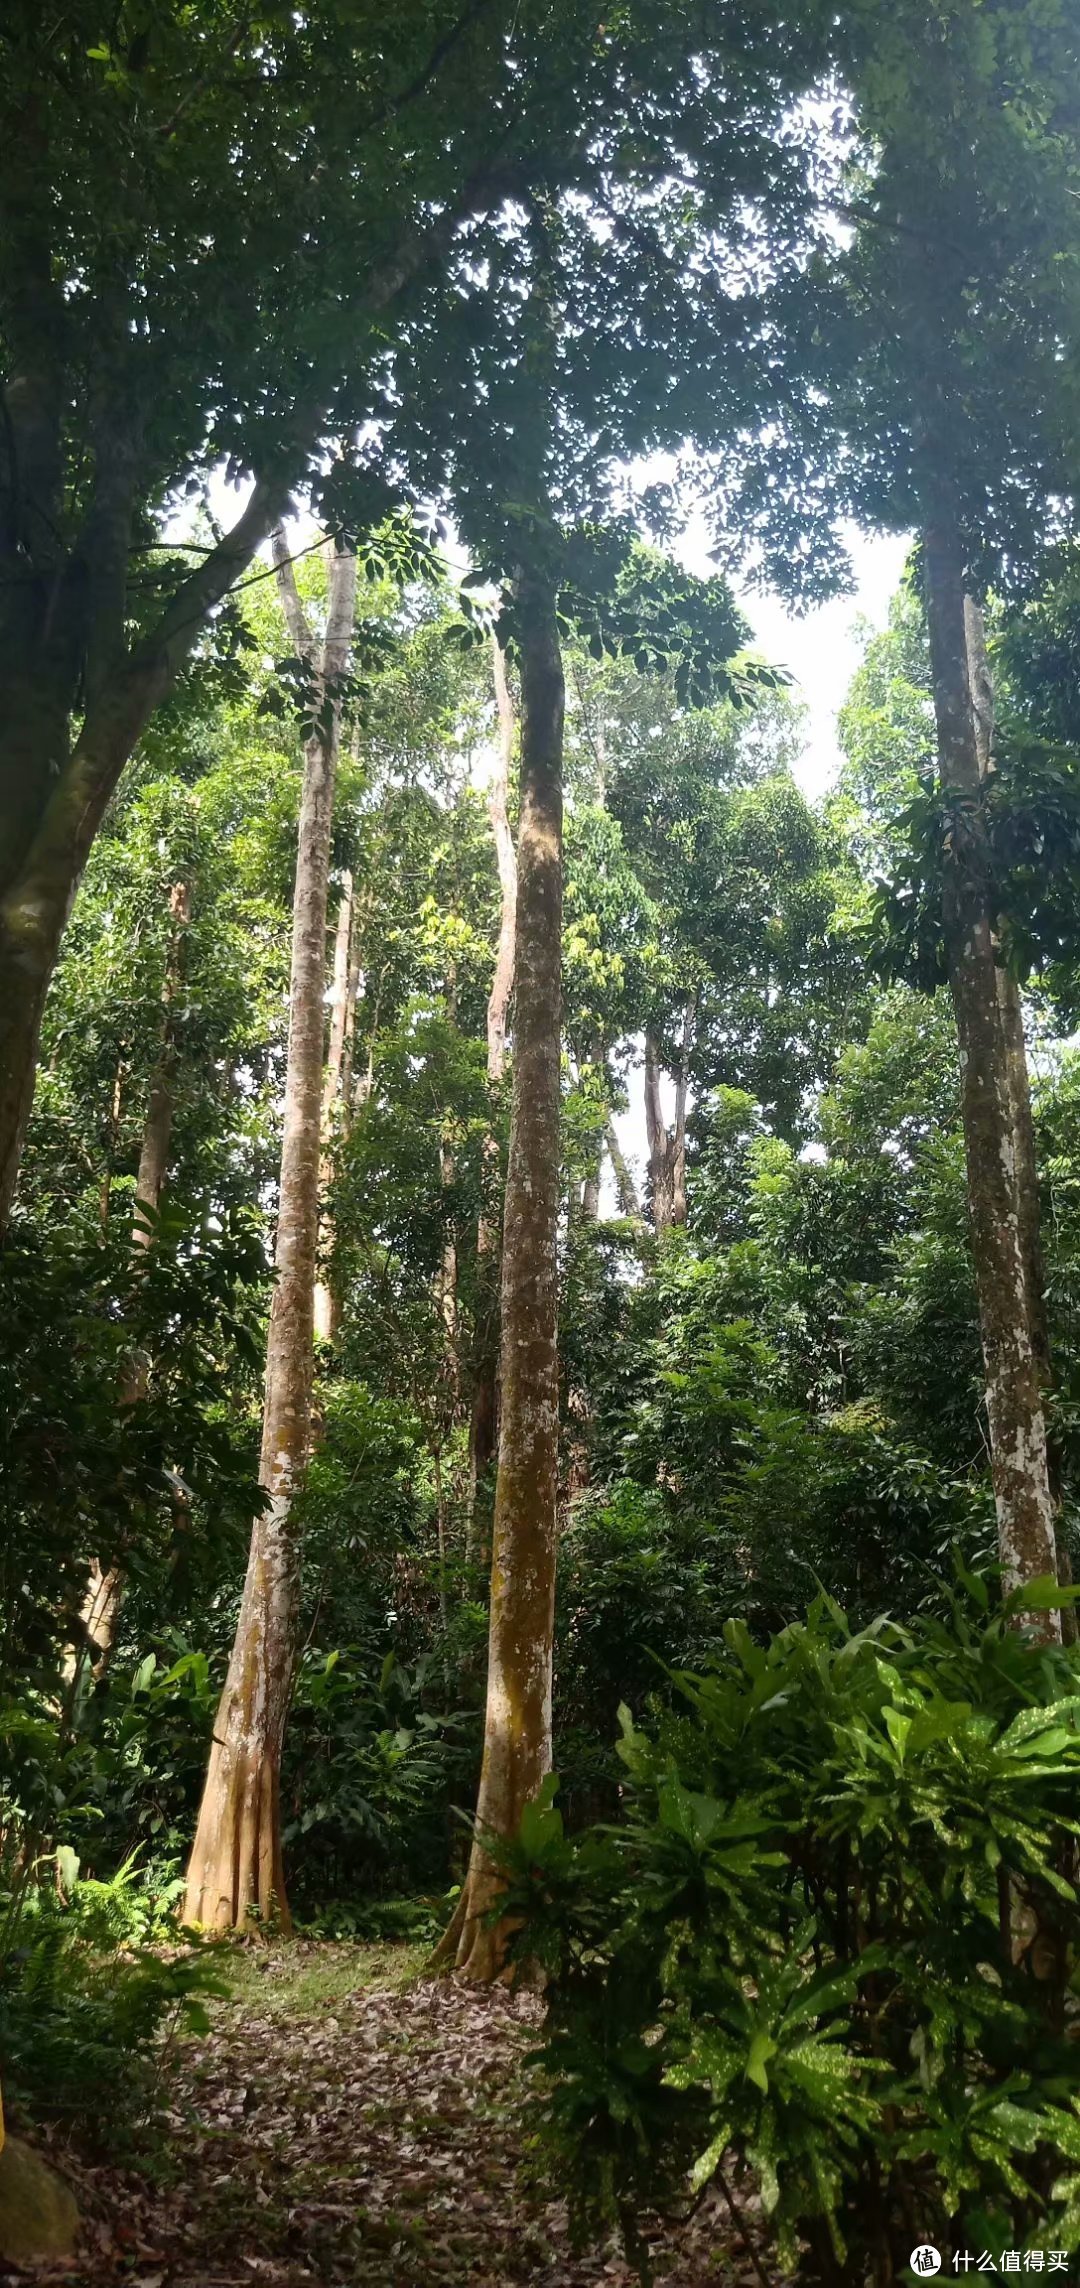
x=373 y=2140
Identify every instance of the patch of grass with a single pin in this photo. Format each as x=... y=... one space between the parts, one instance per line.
x=306 y=1978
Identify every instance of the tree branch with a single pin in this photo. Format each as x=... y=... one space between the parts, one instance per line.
x=301 y=634
x=168 y=643
x=340 y=610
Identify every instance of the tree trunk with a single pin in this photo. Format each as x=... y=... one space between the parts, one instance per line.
x=483 y=1418
x=678 y=1148
x=661 y=1168
x=116 y=1101
x=629 y=1204
x=236 y=1864
x=517 y=1731
x=667 y=1147
x=502 y=983
x=351 y=1099
x=1027 y=1173
x=346 y=976
x=447 y=1282
x=1012 y=1016
x=590 y=1192
x=1011 y=1348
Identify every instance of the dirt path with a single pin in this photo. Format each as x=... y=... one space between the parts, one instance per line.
x=344 y=2124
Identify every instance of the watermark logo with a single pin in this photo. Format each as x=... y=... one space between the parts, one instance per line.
x=925 y=2261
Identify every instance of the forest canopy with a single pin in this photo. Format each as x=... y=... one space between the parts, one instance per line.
x=539 y=1241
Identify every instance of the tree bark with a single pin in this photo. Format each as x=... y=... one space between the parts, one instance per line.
x=1011 y=1348
x=502 y=983
x=678 y=1144
x=629 y=1204
x=517 y=1730
x=116 y=1101
x=346 y=977
x=1012 y=1017
x=661 y=1164
x=236 y=1863
x=1027 y=1172
x=447 y=1282
x=667 y=1147
x=483 y=1418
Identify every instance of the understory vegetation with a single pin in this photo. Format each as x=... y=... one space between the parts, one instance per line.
x=539 y=1203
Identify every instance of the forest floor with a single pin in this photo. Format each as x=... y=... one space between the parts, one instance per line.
x=348 y=2124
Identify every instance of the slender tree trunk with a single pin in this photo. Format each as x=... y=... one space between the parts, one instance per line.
x=667 y=1147
x=678 y=1148
x=629 y=1204
x=589 y=1206
x=448 y=1271
x=441 y=1541
x=517 y=1730
x=115 y=1105
x=1012 y=1017
x=236 y=1863
x=350 y=1099
x=1011 y=1350
x=98 y=1619
x=483 y=1419
x=335 y=1087
x=661 y=1169
x=1027 y=1173
x=502 y=983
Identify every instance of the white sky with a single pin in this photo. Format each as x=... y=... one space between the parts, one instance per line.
x=823 y=649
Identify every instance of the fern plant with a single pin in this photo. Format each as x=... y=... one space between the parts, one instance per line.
x=88 y=2007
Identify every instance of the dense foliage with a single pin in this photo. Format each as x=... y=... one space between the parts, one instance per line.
x=478 y=305
x=831 y=1938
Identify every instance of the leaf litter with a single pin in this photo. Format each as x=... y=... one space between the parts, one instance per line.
x=338 y=2127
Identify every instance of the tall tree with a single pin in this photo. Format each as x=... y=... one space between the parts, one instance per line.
x=953 y=414
x=236 y=1863
x=482 y=1427
x=994 y=1096
x=265 y=196
x=510 y=396
x=337 y=1089
x=517 y=1727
